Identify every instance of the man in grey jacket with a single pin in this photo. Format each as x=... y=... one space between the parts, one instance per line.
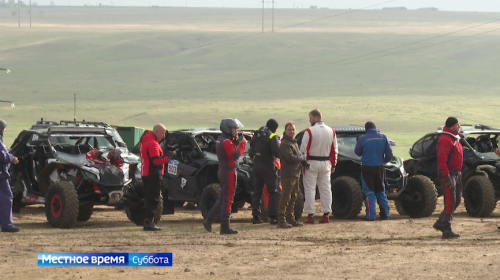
x=290 y=170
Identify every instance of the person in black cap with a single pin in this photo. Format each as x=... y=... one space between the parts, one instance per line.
x=449 y=160
x=264 y=147
x=5 y=191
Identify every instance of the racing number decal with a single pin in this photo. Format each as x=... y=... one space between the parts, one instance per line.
x=172 y=169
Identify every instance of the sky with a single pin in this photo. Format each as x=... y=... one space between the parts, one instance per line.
x=445 y=5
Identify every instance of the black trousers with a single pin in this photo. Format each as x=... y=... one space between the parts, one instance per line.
x=152 y=188
x=264 y=174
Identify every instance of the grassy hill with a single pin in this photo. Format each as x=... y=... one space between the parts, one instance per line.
x=190 y=67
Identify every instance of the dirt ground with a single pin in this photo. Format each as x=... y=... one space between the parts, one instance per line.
x=400 y=248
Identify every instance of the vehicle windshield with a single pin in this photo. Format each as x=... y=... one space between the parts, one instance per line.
x=97 y=141
x=116 y=136
x=485 y=142
x=346 y=146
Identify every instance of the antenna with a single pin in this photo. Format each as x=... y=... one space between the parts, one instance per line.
x=74 y=111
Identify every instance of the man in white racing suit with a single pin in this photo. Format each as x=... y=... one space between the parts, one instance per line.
x=319 y=148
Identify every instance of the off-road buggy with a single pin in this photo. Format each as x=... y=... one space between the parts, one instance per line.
x=54 y=170
x=480 y=171
x=414 y=196
x=191 y=175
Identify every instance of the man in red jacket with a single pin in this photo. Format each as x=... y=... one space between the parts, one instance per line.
x=152 y=162
x=449 y=160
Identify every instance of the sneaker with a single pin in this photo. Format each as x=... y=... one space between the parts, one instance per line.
x=256 y=220
x=384 y=218
x=207 y=224
x=273 y=221
x=225 y=229
x=309 y=220
x=366 y=219
x=325 y=219
x=150 y=226
x=284 y=225
x=438 y=226
x=12 y=229
x=294 y=223
x=450 y=234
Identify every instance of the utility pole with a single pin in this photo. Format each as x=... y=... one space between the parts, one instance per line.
x=272 y=25
x=19 y=12
x=30 y=13
x=262 y=16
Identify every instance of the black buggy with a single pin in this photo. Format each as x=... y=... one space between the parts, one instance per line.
x=414 y=196
x=53 y=170
x=191 y=175
x=480 y=171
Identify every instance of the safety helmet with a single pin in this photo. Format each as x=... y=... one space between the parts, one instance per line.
x=115 y=156
x=227 y=124
x=96 y=157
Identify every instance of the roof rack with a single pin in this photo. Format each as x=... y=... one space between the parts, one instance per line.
x=84 y=123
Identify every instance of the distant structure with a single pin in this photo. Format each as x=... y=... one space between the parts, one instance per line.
x=313 y=7
x=433 y=9
x=395 y=8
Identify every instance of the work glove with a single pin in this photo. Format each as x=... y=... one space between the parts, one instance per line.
x=447 y=182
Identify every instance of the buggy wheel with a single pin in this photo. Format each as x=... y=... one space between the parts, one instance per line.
x=347 y=198
x=61 y=205
x=208 y=198
x=421 y=197
x=17 y=204
x=479 y=196
x=399 y=207
x=298 y=209
x=137 y=214
x=84 y=212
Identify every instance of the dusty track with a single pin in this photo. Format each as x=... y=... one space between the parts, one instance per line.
x=400 y=248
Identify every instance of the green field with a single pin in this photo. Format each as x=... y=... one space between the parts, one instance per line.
x=190 y=67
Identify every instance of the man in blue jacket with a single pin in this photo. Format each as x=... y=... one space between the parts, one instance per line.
x=5 y=191
x=375 y=150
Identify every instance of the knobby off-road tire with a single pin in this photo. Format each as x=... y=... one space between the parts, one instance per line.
x=61 y=205
x=424 y=197
x=84 y=212
x=299 y=205
x=137 y=214
x=347 y=198
x=399 y=208
x=208 y=198
x=479 y=196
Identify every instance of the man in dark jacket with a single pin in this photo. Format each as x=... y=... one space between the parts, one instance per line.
x=265 y=148
x=152 y=166
x=449 y=160
x=375 y=150
x=291 y=159
x=5 y=191
x=229 y=149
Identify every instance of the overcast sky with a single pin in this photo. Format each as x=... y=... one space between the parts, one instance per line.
x=447 y=5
